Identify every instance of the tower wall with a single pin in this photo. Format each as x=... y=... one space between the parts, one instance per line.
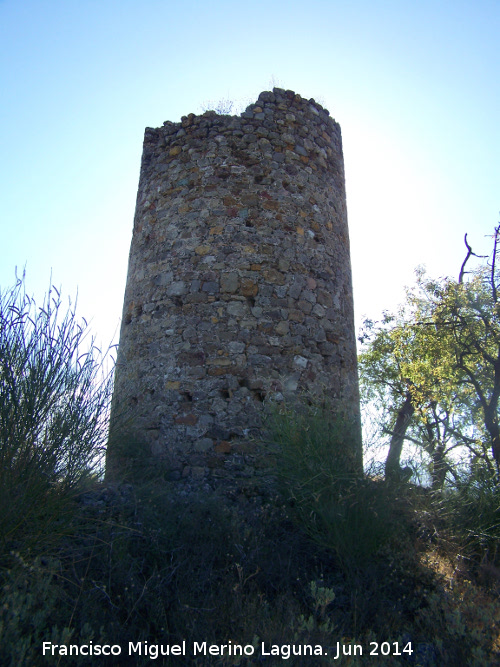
x=239 y=280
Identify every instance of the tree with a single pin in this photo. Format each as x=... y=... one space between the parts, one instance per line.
x=382 y=380
x=410 y=380
x=435 y=367
x=466 y=317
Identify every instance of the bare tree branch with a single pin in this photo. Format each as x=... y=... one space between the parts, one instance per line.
x=469 y=254
x=493 y=262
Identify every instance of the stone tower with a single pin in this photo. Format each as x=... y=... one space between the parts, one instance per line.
x=239 y=281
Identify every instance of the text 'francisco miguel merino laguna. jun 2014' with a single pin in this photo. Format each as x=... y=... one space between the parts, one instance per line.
x=285 y=651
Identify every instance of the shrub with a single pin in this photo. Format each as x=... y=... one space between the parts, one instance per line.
x=54 y=399
x=337 y=506
x=473 y=505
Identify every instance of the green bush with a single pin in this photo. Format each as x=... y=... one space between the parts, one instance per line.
x=54 y=400
x=337 y=506
x=473 y=508
x=30 y=594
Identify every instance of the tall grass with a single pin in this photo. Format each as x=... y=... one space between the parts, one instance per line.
x=473 y=507
x=338 y=507
x=54 y=399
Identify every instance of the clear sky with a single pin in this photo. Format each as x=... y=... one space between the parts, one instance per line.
x=415 y=87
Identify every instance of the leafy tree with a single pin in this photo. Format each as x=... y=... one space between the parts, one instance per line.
x=465 y=316
x=435 y=368
x=410 y=382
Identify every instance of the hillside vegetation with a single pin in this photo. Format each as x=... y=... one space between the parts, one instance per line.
x=321 y=558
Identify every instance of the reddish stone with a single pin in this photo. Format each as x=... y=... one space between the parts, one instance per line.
x=187 y=420
x=223 y=447
x=249 y=287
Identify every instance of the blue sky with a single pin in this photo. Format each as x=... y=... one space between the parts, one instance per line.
x=414 y=86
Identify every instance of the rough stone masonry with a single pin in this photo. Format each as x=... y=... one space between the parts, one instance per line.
x=239 y=283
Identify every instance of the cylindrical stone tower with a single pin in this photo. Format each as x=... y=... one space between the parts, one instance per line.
x=239 y=281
